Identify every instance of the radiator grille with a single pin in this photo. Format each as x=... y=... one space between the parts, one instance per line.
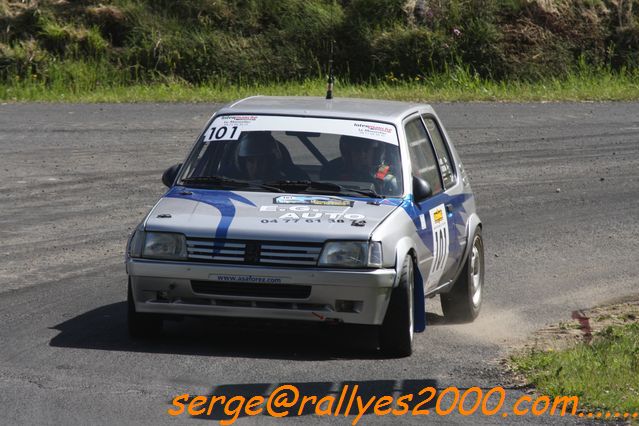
x=273 y=253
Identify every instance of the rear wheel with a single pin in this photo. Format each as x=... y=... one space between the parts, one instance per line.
x=463 y=302
x=141 y=324
x=396 y=332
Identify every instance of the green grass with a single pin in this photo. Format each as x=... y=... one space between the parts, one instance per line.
x=80 y=82
x=604 y=375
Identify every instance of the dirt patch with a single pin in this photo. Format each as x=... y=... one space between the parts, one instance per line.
x=583 y=326
x=569 y=333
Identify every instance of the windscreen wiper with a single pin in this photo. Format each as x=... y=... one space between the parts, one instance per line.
x=324 y=187
x=224 y=181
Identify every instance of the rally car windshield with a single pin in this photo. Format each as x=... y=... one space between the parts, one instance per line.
x=293 y=154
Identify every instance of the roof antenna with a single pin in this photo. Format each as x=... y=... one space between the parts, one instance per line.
x=329 y=87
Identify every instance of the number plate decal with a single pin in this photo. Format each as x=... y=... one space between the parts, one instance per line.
x=441 y=242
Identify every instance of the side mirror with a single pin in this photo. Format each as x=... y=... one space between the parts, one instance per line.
x=421 y=189
x=168 y=177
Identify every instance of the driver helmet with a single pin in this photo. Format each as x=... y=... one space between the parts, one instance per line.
x=258 y=144
x=260 y=148
x=360 y=153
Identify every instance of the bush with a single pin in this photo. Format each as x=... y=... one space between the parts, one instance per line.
x=276 y=40
x=23 y=60
x=409 y=52
x=111 y=21
x=626 y=47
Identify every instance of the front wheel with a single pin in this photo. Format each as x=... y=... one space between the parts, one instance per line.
x=463 y=302
x=396 y=332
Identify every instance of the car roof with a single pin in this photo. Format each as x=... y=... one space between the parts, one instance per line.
x=361 y=109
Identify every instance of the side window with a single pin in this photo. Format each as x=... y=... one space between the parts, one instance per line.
x=445 y=161
x=422 y=157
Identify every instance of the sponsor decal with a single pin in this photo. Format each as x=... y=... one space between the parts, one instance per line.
x=248 y=279
x=239 y=119
x=422 y=221
x=312 y=200
x=230 y=127
x=293 y=213
x=374 y=131
x=438 y=215
x=374 y=128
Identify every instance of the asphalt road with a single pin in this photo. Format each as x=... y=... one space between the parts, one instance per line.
x=557 y=188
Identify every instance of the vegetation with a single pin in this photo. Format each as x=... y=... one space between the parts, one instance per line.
x=478 y=49
x=604 y=374
x=457 y=85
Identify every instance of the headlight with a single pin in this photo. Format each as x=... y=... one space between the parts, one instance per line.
x=164 y=245
x=136 y=243
x=352 y=254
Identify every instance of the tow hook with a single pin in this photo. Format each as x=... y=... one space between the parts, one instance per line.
x=320 y=316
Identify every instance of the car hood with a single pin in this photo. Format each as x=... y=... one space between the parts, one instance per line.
x=270 y=216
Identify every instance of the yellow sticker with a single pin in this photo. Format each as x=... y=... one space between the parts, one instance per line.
x=438 y=216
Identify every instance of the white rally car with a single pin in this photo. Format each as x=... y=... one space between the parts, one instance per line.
x=343 y=210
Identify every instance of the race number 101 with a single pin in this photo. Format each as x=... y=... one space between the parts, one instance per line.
x=220 y=133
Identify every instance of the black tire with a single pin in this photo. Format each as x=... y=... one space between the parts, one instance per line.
x=141 y=325
x=397 y=330
x=463 y=302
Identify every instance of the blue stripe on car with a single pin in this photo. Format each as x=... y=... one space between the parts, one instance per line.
x=221 y=200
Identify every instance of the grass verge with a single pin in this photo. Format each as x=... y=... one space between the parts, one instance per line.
x=603 y=374
x=458 y=85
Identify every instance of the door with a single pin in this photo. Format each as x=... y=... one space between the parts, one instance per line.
x=452 y=188
x=433 y=224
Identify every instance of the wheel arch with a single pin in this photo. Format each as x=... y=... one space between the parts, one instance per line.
x=474 y=222
x=406 y=247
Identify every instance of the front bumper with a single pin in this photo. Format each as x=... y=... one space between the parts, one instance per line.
x=181 y=288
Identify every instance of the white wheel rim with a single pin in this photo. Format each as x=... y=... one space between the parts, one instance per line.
x=476 y=271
